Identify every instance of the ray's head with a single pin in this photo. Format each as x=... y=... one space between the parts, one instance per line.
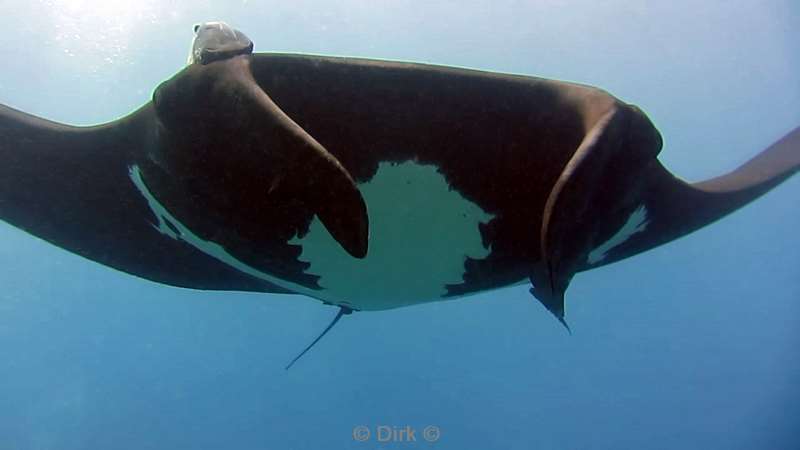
x=214 y=41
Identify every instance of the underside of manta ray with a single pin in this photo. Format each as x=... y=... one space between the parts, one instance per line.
x=366 y=184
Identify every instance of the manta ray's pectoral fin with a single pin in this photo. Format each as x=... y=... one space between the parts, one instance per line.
x=343 y=311
x=591 y=194
x=675 y=208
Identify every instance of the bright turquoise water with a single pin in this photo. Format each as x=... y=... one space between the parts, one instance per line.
x=690 y=346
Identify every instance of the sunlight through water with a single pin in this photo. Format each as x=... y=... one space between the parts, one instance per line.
x=99 y=32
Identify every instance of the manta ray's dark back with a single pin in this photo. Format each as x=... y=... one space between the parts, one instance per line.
x=207 y=186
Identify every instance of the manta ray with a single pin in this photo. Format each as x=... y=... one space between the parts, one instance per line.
x=366 y=184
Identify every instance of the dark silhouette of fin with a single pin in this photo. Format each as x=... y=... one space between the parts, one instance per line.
x=71 y=186
x=676 y=208
x=343 y=310
x=554 y=304
x=596 y=183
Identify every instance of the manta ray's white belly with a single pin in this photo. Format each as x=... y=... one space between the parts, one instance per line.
x=421 y=232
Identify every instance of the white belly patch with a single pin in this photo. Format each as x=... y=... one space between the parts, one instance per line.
x=421 y=232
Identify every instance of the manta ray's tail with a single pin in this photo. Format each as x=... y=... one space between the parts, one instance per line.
x=673 y=208
x=343 y=311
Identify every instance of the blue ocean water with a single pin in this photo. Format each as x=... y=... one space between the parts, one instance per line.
x=691 y=345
